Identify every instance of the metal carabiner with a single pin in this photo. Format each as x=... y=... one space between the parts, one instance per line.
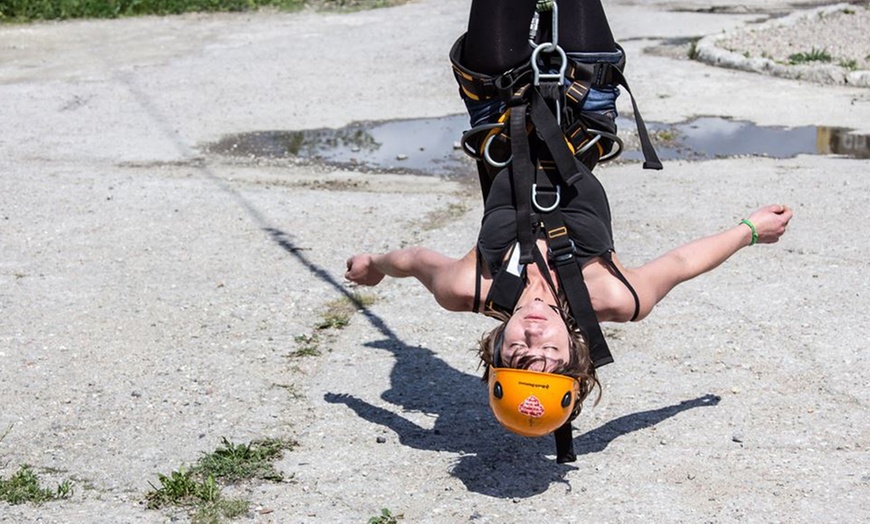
x=554 y=25
x=466 y=136
x=588 y=144
x=615 y=149
x=488 y=157
x=533 y=29
x=543 y=6
x=539 y=206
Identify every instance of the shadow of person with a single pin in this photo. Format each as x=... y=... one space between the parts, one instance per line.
x=489 y=456
x=598 y=439
x=422 y=383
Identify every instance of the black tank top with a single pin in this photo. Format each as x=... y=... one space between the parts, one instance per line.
x=585 y=211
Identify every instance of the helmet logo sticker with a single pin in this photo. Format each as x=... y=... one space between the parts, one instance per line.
x=532 y=407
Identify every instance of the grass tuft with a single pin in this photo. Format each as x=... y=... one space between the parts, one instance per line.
x=220 y=511
x=339 y=311
x=336 y=316
x=814 y=55
x=198 y=489
x=306 y=346
x=850 y=64
x=181 y=488
x=23 y=487
x=234 y=462
x=386 y=517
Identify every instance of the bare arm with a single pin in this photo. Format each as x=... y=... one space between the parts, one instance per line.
x=450 y=280
x=657 y=278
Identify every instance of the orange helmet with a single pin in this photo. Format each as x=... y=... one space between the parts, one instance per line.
x=531 y=403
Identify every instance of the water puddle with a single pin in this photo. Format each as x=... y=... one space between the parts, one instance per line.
x=712 y=137
x=429 y=146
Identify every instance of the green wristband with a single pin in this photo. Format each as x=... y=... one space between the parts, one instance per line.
x=754 y=232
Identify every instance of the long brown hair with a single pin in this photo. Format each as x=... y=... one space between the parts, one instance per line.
x=579 y=364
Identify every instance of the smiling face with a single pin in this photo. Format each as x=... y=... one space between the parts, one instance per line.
x=537 y=334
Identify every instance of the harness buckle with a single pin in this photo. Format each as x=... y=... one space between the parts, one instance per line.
x=563 y=254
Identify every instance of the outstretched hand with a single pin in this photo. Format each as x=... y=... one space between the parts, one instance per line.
x=361 y=270
x=770 y=222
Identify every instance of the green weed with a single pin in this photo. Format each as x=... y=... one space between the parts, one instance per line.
x=386 y=517
x=815 y=55
x=334 y=319
x=220 y=511
x=306 y=346
x=234 y=462
x=339 y=311
x=337 y=315
x=197 y=489
x=665 y=136
x=23 y=486
x=181 y=488
x=850 y=64
x=693 y=50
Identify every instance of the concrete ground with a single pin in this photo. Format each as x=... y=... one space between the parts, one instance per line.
x=151 y=293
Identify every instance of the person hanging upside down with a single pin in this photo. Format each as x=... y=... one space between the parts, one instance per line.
x=542 y=108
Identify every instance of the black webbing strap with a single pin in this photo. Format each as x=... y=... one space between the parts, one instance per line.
x=565 y=444
x=551 y=134
x=480 y=86
x=561 y=247
x=561 y=254
x=651 y=159
x=571 y=280
x=564 y=435
x=522 y=174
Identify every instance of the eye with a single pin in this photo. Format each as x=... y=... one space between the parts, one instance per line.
x=566 y=400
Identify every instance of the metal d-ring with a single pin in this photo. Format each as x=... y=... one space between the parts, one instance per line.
x=539 y=206
x=549 y=47
x=559 y=77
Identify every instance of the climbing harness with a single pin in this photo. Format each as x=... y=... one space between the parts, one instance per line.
x=530 y=122
x=564 y=80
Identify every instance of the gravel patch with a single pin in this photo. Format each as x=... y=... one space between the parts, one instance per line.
x=829 y=45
